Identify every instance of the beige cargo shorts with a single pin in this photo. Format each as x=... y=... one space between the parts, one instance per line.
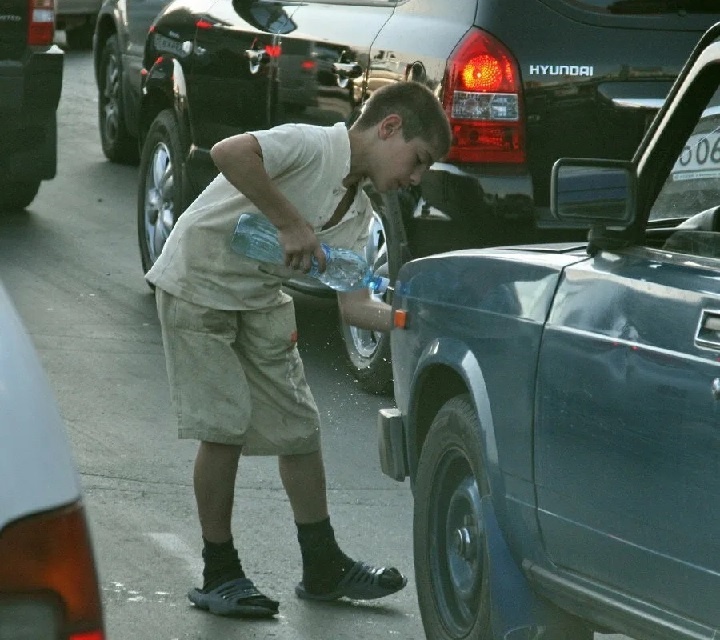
x=236 y=377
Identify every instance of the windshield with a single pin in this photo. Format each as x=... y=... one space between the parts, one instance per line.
x=694 y=182
x=647 y=7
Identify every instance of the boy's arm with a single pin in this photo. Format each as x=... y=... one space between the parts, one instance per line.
x=358 y=309
x=239 y=158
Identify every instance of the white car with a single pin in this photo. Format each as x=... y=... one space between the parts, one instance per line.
x=48 y=579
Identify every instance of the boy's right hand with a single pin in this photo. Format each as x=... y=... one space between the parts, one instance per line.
x=300 y=245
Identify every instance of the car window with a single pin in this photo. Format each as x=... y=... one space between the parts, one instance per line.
x=693 y=184
x=646 y=7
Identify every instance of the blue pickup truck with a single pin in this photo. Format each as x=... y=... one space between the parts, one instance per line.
x=558 y=405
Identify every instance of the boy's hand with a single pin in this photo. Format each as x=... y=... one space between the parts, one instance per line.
x=300 y=245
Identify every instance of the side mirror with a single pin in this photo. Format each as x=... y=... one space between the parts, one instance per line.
x=601 y=193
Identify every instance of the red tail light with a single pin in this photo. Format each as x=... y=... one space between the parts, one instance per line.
x=41 y=22
x=482 y=98
x=48 y=582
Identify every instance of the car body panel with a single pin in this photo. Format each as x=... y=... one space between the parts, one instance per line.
x=37 y=471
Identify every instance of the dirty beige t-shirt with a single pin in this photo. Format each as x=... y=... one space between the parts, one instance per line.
x=307 y=164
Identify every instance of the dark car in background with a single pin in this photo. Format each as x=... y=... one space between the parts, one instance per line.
x=77 y=19
x=524 y=82
x=118 y=45
x=31 y=71
x=557 y=403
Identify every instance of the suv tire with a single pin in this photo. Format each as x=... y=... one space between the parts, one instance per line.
x=160 y=188
x=117 y=143
x=368 y=352
x=15 y=196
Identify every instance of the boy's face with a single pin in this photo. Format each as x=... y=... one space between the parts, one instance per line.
x=399 y=163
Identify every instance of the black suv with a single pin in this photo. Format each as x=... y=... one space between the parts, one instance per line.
x=31 y=71
x=524 y=82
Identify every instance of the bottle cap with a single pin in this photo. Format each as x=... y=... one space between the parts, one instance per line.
x=379 y=284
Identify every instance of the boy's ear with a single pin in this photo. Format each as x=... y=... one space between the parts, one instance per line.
x=389 y=126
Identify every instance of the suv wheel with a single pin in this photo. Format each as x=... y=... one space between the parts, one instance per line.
x=368 y=352
x=117 y=143
x=15 y=196
x=160 y=189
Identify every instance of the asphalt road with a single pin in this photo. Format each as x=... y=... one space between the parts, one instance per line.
x=71 y=264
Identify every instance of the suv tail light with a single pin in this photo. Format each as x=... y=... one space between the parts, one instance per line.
x=482 y=98
x=41 y=22
x=48 y=581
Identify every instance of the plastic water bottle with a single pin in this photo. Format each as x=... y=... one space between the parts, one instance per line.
x=257 y=238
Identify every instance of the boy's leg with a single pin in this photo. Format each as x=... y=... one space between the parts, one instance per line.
x=226 y=590
x=214 y=482
x=303 y=477
x=328 y=574
x=211 y=407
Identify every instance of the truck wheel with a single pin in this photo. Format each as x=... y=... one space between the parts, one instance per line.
x=117 y=143
x=368 y=352
x=15 y=196
x=160 y=187
x=451 y=557
x=450 y=551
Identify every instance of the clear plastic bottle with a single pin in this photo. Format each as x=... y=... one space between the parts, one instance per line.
x=257 y=238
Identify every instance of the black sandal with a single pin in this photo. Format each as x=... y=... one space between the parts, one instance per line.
x=237 y=597
x=361 y=582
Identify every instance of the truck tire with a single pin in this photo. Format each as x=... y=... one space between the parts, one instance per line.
x=368 y=352
x=118 y=144
x=15 y=196
x=451 y=557
x=160 y=187
x=452 y=580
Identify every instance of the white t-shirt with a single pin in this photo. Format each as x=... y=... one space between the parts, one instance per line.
x=307 y=164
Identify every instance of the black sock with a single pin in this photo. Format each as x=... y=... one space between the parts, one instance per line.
x=324 y=564
x=222 y=564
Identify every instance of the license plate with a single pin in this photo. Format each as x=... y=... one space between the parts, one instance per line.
x=700 y=158
x=167 y=45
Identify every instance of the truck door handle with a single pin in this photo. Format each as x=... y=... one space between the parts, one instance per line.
x=708 y=332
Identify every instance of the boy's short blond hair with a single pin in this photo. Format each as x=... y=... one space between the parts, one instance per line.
x=422 y=114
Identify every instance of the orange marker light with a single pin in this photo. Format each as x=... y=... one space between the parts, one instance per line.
x=400 y=319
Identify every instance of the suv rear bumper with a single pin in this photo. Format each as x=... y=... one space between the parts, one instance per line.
x=29 y=95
